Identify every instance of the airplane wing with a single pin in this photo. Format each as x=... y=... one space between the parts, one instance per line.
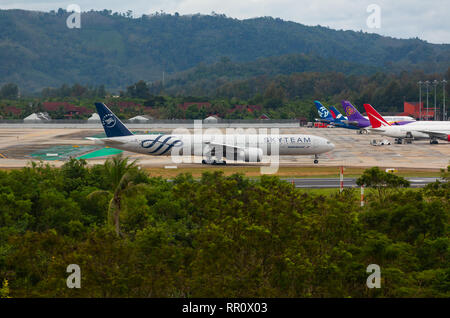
x=235 y=151
x=232 y=148
x=113 y=141
x=321 y=120
x=106 y=141
x=437 y=134
x=376 y=130
x=350 y=122
x=215 y=144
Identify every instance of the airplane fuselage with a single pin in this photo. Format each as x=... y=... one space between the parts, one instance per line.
x=213 y=147
x=414 y=129
x=159 y=145
x=392 y=119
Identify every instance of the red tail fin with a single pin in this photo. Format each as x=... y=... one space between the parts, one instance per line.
x=376 y=120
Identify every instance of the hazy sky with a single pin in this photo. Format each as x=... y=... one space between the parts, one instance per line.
x=426 y=19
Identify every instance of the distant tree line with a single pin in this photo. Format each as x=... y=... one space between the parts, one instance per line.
x=280 y=96
x=386 y=91
x=139 y=89
x=76 y=90
x=9 y=91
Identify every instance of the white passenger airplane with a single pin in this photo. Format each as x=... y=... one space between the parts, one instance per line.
x=213 y=149
x=432 y=130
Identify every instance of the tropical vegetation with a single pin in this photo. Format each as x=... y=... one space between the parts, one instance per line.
x=216 y=236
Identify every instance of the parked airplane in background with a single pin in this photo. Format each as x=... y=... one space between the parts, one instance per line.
x=332 y=116
x=355 y=118
x=432 y=130
x=212 y=147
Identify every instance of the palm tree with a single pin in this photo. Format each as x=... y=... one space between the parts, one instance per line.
x=122 y=176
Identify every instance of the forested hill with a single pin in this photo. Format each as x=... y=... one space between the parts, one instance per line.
x=38 y=50
x=208 y=79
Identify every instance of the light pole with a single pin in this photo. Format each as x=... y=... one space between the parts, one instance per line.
x=444 y=110
x=435 y=82
x=427 y=83
x=420 y=99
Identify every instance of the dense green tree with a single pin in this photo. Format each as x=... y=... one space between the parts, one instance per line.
x=382 y=181
x=216 y=236
x=9 y=91
x=4 y=290
x=139 y=90
x=123 y=178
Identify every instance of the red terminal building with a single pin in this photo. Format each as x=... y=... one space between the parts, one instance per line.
x=69 y=110
x=416 y=109
x=186 y=105
x=12 y=110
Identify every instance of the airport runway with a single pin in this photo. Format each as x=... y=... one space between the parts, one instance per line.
x=318 y=183
x=352 y=149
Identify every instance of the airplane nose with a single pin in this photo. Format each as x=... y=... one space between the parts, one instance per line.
x=330 y=146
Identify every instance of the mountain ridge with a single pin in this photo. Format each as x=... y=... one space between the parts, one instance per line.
x=37 y=50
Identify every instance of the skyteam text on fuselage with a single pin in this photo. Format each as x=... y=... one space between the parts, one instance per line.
x=213 y=147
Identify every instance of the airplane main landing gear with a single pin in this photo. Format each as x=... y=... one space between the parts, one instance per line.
x=213 y=162
x=316 y=159
x=433 y=141
x=211 y=158
x=409 y=138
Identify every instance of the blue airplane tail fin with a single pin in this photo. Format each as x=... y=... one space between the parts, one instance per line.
x=323 y=112
x=112 y=125
x=338 y=115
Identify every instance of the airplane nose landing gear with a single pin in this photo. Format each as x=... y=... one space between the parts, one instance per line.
x=316 y=159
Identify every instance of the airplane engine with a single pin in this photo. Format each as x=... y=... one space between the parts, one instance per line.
x=442 y=137
x=251 y=154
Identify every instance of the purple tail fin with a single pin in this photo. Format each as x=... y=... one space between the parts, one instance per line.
x=354 y=115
